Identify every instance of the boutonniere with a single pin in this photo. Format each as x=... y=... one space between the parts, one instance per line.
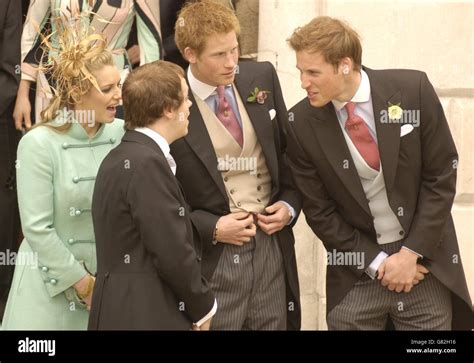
x=258 y=96
x=395 y=112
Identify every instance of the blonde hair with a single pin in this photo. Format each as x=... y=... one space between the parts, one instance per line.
x=331 y=37
x=71 y=64
x=199 y=19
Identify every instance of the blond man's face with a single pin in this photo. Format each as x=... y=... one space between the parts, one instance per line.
x=217 y=63
x=319 y=78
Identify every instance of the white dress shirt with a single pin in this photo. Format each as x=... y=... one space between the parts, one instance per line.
x=363 y=107
x=162 y=143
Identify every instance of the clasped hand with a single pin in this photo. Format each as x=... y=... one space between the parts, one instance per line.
x=238 y=228
x=400 y=271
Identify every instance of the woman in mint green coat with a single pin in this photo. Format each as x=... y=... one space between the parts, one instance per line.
x=57 y=164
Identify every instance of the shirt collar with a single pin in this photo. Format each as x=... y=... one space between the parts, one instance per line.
x=362 y=95
x=162 y=143
x=200 y=89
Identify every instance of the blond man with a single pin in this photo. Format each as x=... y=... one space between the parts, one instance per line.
x=233 y=170
x=373 y=156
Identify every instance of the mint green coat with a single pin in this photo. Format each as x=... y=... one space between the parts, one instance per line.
x=55 y=178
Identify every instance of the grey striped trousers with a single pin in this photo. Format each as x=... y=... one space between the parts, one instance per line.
x=249 y=285
x=368 y=304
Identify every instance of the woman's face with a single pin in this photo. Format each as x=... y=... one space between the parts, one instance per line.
x=101 y=106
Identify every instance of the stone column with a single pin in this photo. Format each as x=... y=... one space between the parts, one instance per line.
x=278 y=19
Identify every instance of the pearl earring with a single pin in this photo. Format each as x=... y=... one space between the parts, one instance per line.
x=345 y=70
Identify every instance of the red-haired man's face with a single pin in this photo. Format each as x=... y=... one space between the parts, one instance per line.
x=217 y=63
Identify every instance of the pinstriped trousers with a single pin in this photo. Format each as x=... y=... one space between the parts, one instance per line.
x=249 y=285
x=368 y=305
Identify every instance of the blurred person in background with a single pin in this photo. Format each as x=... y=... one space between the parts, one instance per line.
x=113 y=18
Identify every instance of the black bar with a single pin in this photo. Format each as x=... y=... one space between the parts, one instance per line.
x=310 y=345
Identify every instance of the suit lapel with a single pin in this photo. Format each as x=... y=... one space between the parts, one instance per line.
x=260 y=119
x=330 y=137
x=200 y=142
x=388 y=134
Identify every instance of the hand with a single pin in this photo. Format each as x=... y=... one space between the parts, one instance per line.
x=278 y=218
x=398 y=271
x=420 y=273
x=205 y=326
x=22 y=111
x=236 y=228
x=82 y=287
x=134 y=54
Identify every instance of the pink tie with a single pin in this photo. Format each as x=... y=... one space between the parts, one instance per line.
x=227 y=116
x=360 y=136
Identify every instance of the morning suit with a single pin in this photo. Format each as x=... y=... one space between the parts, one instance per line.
x=418 y=163
x=205 y=182
x=148 y=274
